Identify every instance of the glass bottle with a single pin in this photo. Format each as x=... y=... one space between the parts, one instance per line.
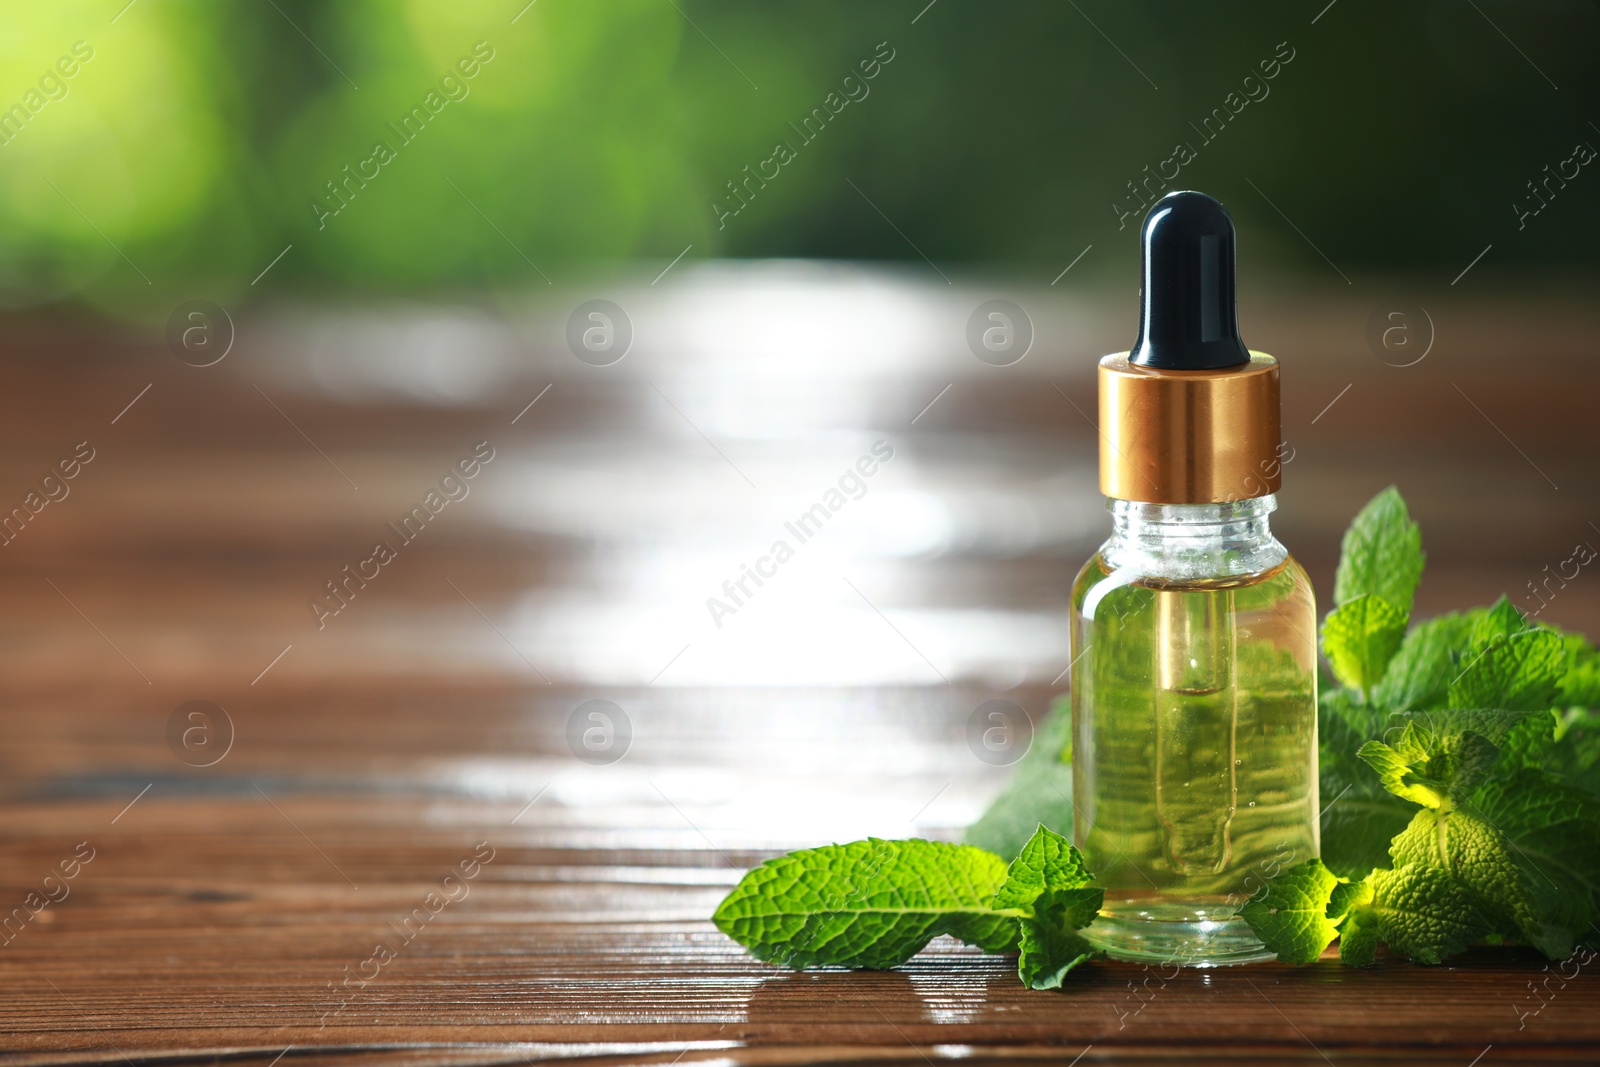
x=1194 y=725
x=1194 y=691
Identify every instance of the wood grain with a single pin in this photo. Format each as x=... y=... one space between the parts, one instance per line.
x=225 y=905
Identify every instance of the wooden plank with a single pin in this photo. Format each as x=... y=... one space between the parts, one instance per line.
x=225 y=905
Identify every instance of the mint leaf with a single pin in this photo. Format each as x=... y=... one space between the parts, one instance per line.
x=1529 y=743
x=1418 y=911
x=1422 y=670
x=1501 y=619
x=1464 y=745
x=1046 y=886
x=1290 y=914
x=1358 y=924
x=1478 y=856
x=1573 y=755
x=1441 y=755
x=1580 y=682
x=1553 y=834
x=1049 y=952
x=1358 y=939
x=1358 y=826
x=1450 y=725
x=1467 y=763
x=1381 y=554
x=868 y=904
x=1048 y=863
x=1347 y=897
x=1359 y=817
x=877 y=903
x=1352 y=721
x=1564 y=745
x=1361 y=637
x=1510 y=665
x=1405 y=767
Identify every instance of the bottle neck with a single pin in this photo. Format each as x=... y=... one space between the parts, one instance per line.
x=1186 y=542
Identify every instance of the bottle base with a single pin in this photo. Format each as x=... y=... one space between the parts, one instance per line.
x=1177 y=938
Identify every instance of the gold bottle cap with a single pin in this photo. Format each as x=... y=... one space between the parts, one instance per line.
x=1189 y=436
x=1190 y=415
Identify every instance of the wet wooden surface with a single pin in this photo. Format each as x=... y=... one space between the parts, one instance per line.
x=233 y=910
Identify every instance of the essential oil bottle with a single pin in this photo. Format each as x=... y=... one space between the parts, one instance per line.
x=1194 y=690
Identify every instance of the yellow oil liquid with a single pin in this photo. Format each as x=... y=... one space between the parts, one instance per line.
x=1195 y=753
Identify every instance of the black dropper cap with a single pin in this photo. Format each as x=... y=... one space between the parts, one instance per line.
x=1187 y=317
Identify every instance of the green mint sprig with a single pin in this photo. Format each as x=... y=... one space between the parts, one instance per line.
x=1444 y=774
x=875 y=904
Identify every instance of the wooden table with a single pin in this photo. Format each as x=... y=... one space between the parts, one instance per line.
x=431 y=720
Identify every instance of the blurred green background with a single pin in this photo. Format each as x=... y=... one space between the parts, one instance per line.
x=191 y=139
